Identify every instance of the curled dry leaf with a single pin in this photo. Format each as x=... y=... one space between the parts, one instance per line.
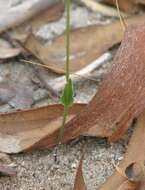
x=134 y=154
x=134 y=172
x=98 y=39
x=79 y=179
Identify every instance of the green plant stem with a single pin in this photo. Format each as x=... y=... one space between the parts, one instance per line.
x=65 y=113
x=66 y=108
x=68 y=6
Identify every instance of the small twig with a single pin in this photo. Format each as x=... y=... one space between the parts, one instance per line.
x=122 y=21
x=104 y=9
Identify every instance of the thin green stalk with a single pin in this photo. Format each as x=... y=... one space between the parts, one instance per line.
x=67 y=97
x=65 y=113
x=68 y=6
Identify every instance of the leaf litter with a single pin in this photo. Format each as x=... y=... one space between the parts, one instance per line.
x=104 y=37
x=127 y=109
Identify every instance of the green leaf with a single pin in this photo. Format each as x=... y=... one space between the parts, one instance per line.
x=68 y=94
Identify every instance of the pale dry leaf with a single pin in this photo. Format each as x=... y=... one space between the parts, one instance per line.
x=23 y=129
x=98 y=39
x=6 y=53
x=134 y=172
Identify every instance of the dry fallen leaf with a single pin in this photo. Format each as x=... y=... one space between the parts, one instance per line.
x=134 y=172
x=127 y=185
x=134 y=154
x=6 y=53
x=98 y=39
x=21 y=130
x=79 y=179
